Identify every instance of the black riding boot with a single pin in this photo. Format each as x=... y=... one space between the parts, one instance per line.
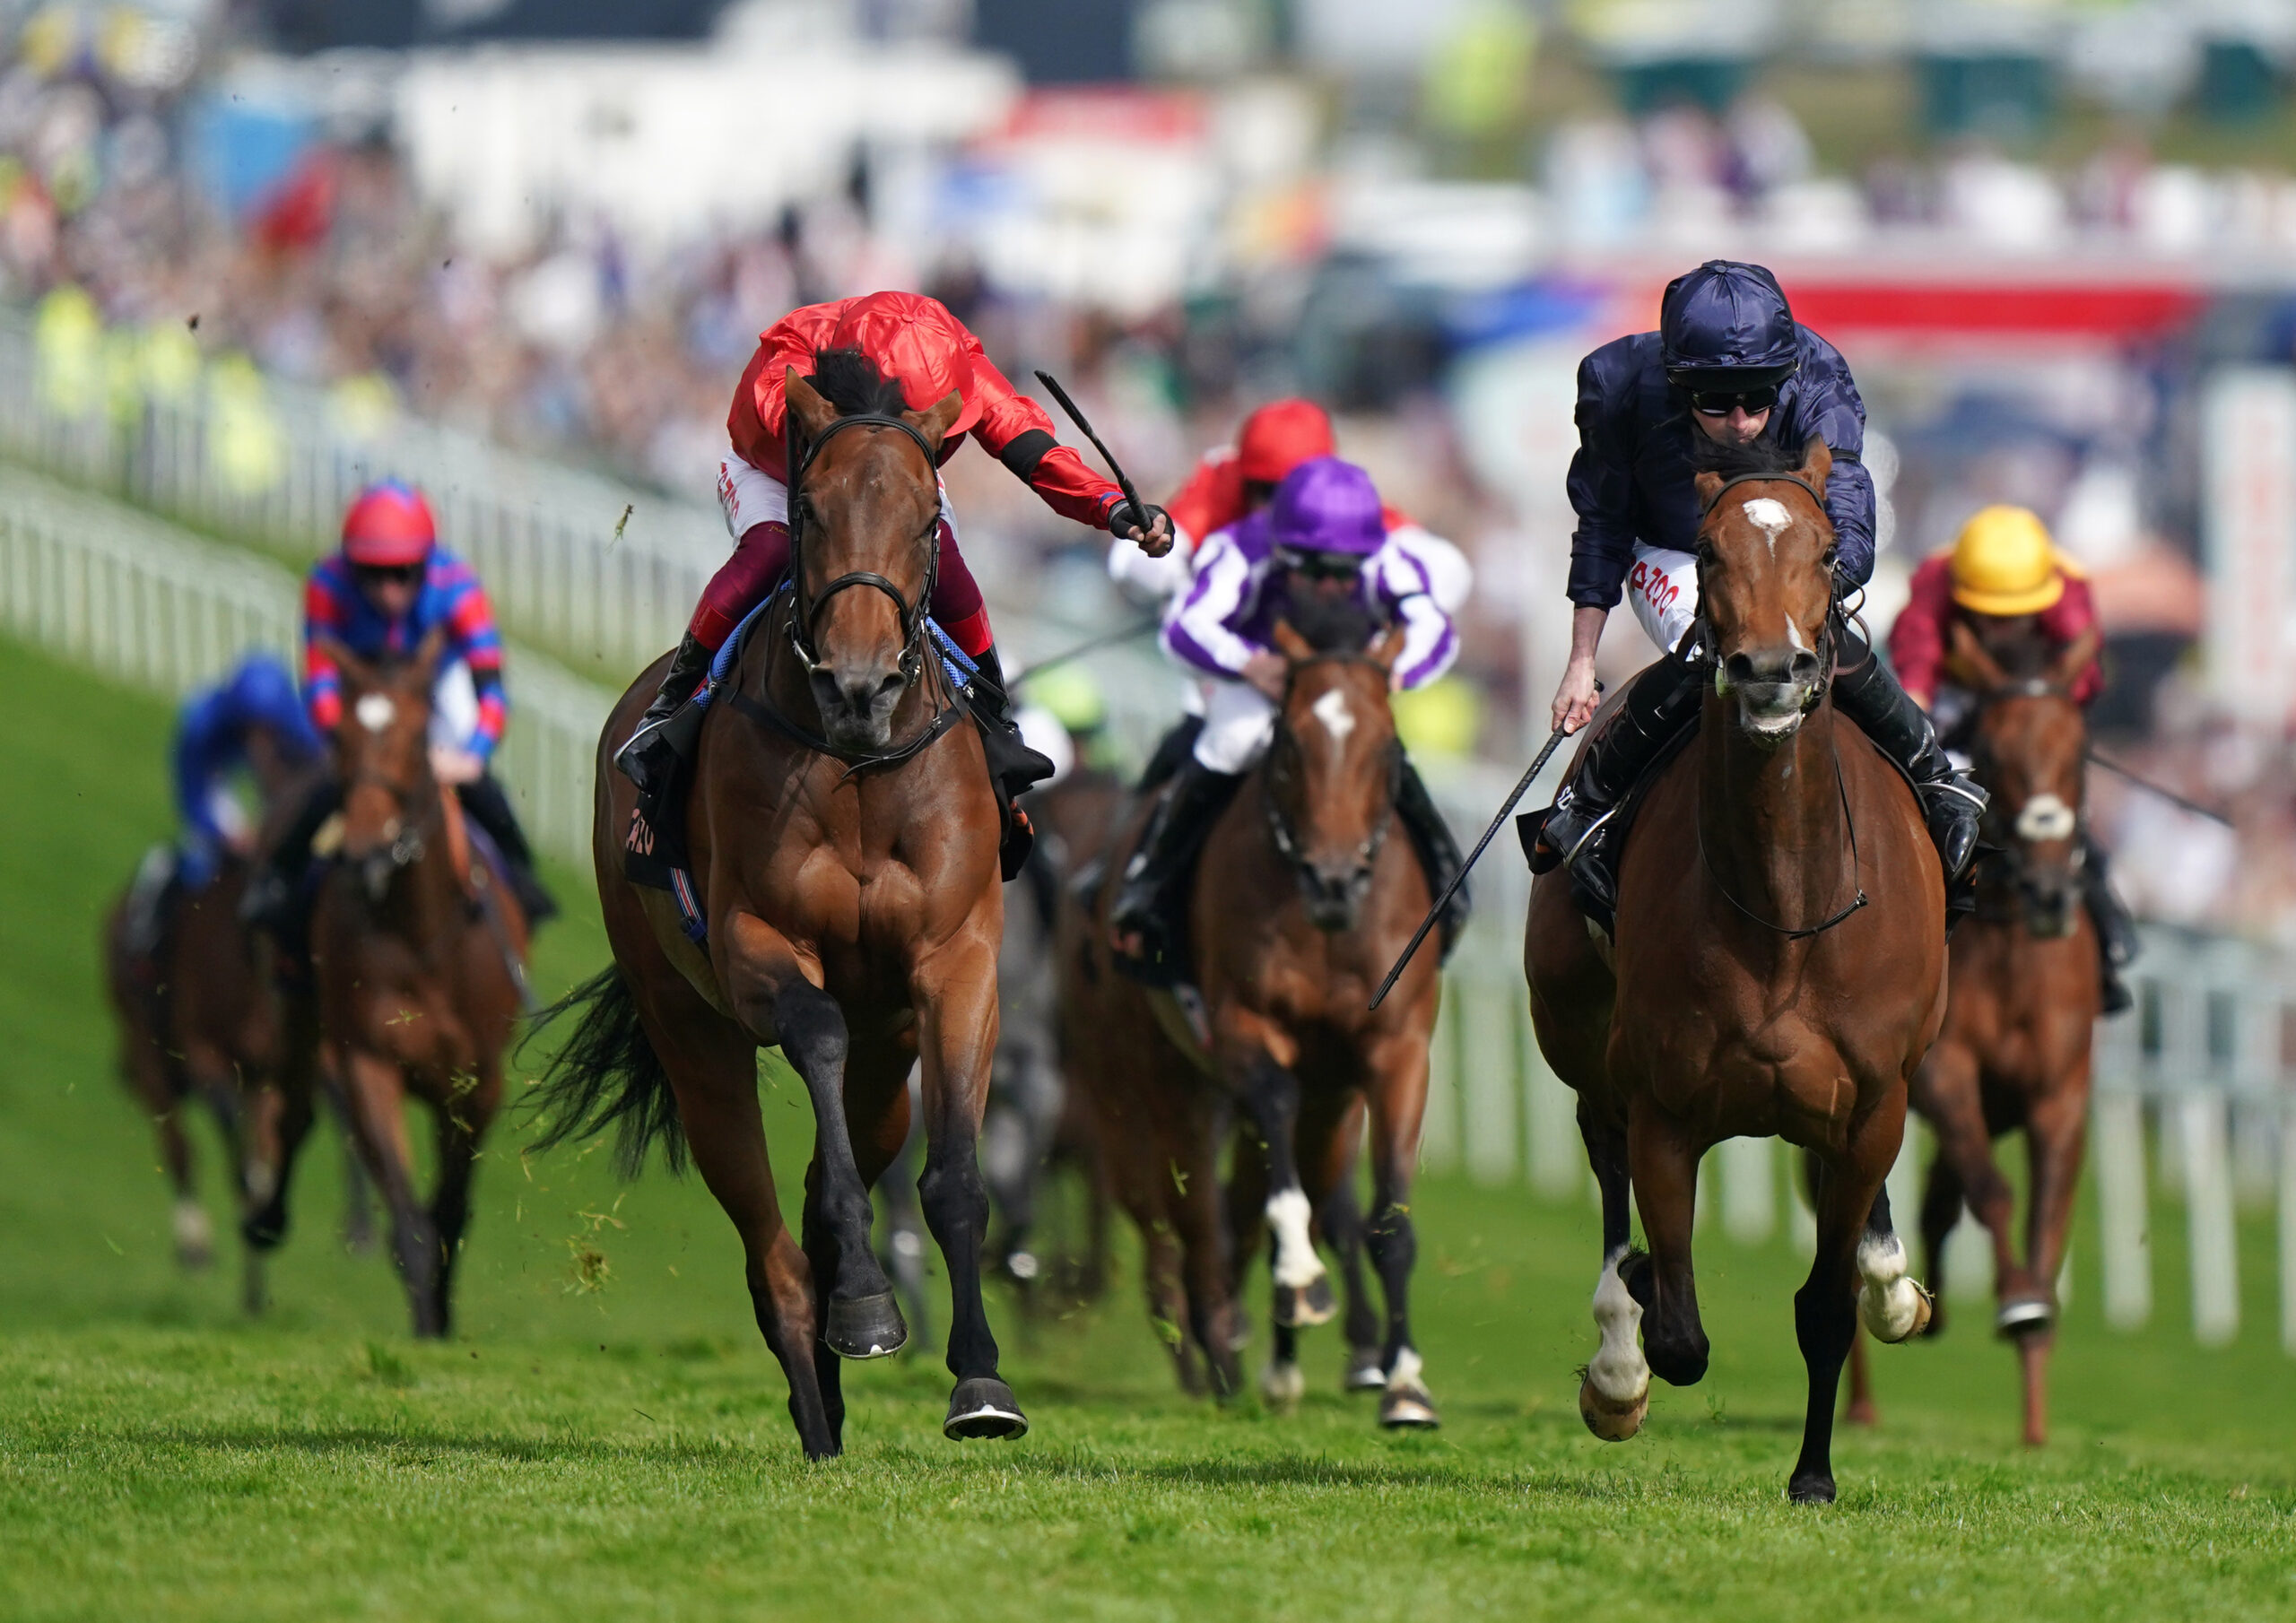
x=1147 y=906
x=486 y=805
x=273 y=901
x=646 y=758
x=1439 y=853
x=1013 y=767
x=1659 y=704
x=1952 y=802
x=1172 y=752
x=2116 y=930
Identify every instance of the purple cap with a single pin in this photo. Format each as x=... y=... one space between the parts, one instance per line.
x=1325 y=505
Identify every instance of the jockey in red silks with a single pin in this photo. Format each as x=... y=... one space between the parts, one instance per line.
x=914 y=342
x=390 y=587
x=2001 y=570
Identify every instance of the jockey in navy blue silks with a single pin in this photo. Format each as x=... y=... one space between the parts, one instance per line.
x=1728 y=363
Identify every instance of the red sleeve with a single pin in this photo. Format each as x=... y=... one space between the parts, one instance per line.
x=1918 y=640
x=2063 y=622
x=1015 y=431
x=1210 y=500
x=754 y=424
x=322 y=680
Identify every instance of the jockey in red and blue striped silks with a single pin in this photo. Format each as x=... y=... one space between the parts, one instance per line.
x=451 y=595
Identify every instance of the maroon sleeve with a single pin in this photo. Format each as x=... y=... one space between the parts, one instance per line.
x=2063 y=624
x=1918 y=640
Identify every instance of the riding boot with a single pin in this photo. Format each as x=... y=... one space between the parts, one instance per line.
x=273 y=901
x=1659 y=704
x=2116 y=929
x=485 y=804
x=1952 y=802
x=646 y=758
x=1147 y=905
x=1437 y=852
x=1172 y=752
x=1013 y=767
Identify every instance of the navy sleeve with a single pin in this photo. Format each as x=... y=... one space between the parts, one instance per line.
x=203 y=751
x=1833 y=410
x=1602 y=490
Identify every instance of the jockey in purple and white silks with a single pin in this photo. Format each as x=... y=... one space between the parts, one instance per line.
x=1319 y=551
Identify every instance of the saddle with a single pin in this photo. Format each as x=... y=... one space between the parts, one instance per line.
x=654 y=851
x=1529 y=824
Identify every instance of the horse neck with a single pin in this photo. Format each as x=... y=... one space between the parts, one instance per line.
x=424 y=905
x=1771 y=821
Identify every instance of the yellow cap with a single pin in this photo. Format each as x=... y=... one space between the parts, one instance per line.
x=2004 y=563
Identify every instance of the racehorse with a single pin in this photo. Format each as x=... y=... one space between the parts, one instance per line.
x=1299 y=905
x=2021 y=1008
x=417 y=949
x=848 y=881
x=1776 y=968
x=195 y=1023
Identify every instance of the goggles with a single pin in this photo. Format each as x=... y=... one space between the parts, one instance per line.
x=399 y=574
x=1320 y=566
x=1716 y=403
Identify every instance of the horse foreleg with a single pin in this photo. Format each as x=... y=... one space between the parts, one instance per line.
x=2055 y=1134
x=1950 y=1093
x=955 y=996
x=1270 y=1093
x=1615 y=1393
x=1663 y=1163
x=1193 y=1199
x=377 y=1094
x=1941 y=1210
x=1397 y=1067
x=1342 y=1218
x=460 y=1124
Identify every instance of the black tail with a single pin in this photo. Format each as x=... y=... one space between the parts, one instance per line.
x=606 y=1074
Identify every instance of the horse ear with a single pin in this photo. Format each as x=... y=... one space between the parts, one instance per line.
x=1817 y=463
x=812 y=412
x=2066 y=668
x=1710 y=488
x=425 y=666
x=1969 y=661
x=355 y=670
x=1390 y=648
x=933 y=422
x=1289 y=643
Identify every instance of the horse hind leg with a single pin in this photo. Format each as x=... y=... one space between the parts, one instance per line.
x=1344 y=1232
x=1615 y=1391
x=1940 y=1212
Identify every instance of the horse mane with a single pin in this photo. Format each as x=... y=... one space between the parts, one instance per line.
x=1341 y=626
x=1762 y=457
x=849 y=380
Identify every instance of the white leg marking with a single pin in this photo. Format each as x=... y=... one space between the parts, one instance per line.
x=1296 y=1262
x=1887 y=1299
x=1618 y=1369
x=1282 y=1385
x=1409 y=1372
x=194 y=1234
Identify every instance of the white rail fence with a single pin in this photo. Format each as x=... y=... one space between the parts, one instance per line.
x=2193 y=1097
x=142 y=601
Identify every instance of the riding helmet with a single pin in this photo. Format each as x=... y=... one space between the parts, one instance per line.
x=1281 y=436
x=1726 y=326
x=388 y=528
x=2005 y=563
x=1325 y=505
x=916 y=342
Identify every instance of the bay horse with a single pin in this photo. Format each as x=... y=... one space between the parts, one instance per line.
x=2023 y=1004
x=848 y=881
x=1776 y=968
x=417 y=948
x=1299 y=905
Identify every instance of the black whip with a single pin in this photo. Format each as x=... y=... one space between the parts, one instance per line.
x=1139 y=507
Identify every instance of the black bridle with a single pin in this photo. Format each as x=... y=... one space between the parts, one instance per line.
x=1280 y=831
x=2009 y=855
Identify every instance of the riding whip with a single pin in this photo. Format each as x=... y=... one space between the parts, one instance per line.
x=2170 y=795
x=1522 y=787
x=1105 y=639
x=1139 y=507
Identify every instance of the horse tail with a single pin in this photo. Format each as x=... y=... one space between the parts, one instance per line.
x=606 y=1074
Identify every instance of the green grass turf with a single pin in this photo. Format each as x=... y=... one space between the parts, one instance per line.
x=623 y=1453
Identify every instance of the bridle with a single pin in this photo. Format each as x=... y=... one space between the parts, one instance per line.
x=1703 y=655
x=2010 y=855
x=407 y=846
x=1280 y=831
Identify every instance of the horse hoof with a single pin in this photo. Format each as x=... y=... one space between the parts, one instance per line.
x=983 y=1406
x=1408 y=1408
x=1282 y=1385
x=2030 y=1316
x=866 y=1327
x=1812 y=1489
x=195 y=1235
x=1367 y=1370
x=1302 y=1309
x=1614 y=1422
x=1873 y=1306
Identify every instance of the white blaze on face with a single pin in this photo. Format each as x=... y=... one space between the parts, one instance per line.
x=375 y=711
x=1332 y=711
x=1296 y=1262
x=1618 y=1369
x=2045 y=817
x=1768 y=516
x=1794 y=637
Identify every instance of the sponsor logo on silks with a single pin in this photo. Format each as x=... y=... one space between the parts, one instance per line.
x=1655 y=588
x=640 y=838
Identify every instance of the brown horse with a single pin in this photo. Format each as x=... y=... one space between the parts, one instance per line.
x=1777 y=968
x=416 y=959
x=851 y=887
x=2021 y=1009
x=1299 y=905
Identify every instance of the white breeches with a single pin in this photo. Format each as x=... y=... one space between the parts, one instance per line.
x=1663 y=588
x=1239 y=720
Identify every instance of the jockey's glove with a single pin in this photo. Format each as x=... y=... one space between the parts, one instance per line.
x=1123 y=517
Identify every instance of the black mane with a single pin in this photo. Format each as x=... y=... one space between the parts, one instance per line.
x=1760 y=458
x=849 y=380
x=1338 y=625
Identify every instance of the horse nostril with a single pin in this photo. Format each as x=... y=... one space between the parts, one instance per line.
x=1804 y=667
x=1739 y=668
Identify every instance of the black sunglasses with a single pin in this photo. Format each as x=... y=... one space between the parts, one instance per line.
x=404 y=574
x=1716 y=403
x=1321 y=566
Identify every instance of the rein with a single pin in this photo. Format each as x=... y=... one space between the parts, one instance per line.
x=1805 y=933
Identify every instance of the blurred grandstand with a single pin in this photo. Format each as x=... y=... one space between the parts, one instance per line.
x=2055 y=239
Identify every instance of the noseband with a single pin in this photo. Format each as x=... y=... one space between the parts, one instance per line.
x=807 y=609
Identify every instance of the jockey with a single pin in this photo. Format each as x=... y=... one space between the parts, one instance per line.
x=387 y=588
x=1324 y=537
x=1728 y=362
x=2004 y=572
x=251 y=720
x=914 y=342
